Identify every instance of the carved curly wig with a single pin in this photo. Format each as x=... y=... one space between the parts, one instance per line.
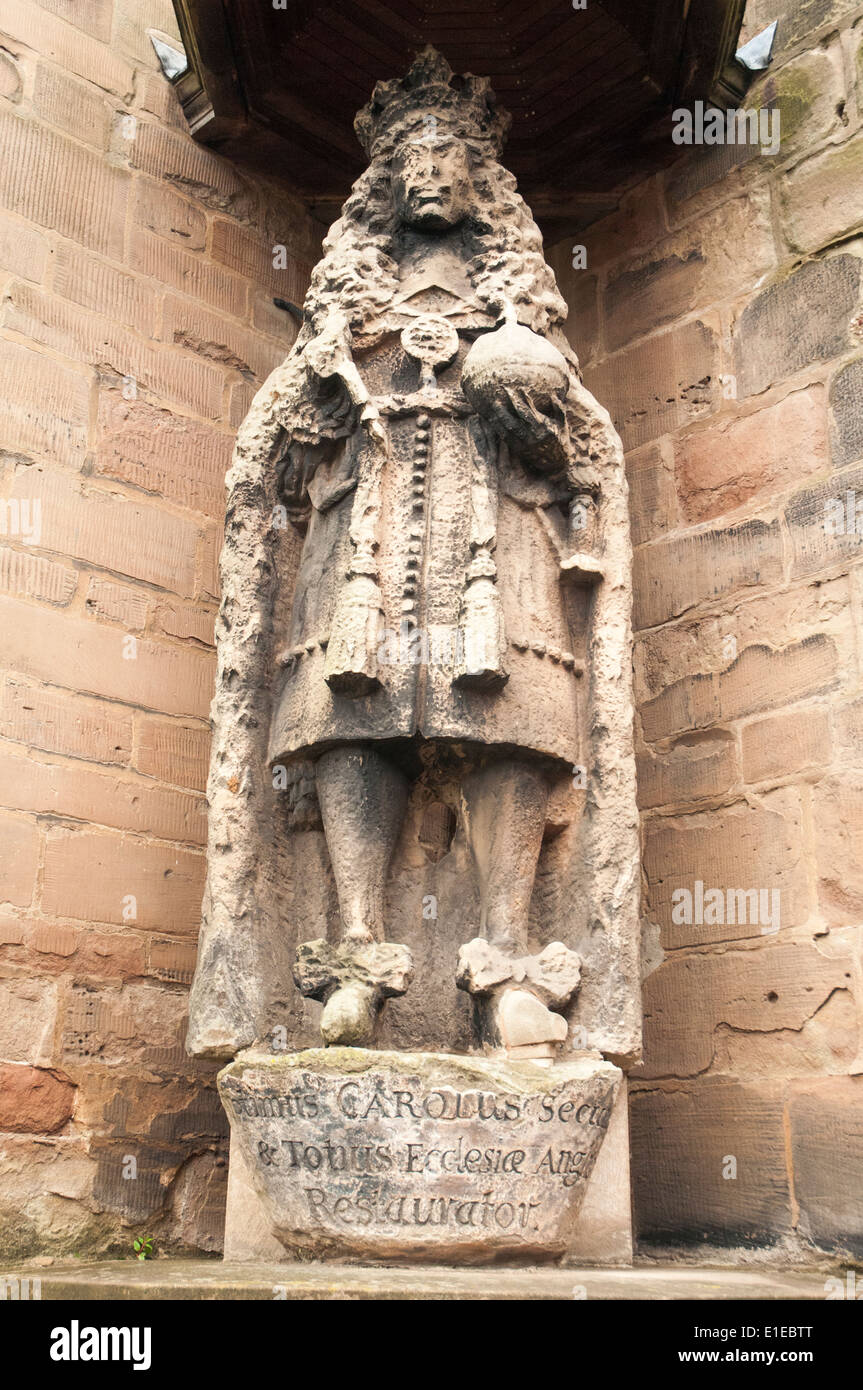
x=358 y=275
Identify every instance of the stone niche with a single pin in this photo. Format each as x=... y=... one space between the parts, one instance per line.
x=423 y=846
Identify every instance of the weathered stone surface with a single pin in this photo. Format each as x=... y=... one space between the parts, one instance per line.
x=671 y=576
x=34 y=1100
x=696 y=766
x=838 y=808
x=652 y=493
x=785 y=743
x=189 y=1279
x=800 y=21
x=808 y=94
x=820 y=202
x=760 y=678
x=685 y=1140
x=394 y=1155
x=803 y=319
x=351 y=980
x=661 y=385
x=825 y=525
x=690 y=269
x=846 y=404
x=826 y=1123
x=28 y=1016
x=553 y=975
x=724 y=465
x=756 y=994
x=750 y=855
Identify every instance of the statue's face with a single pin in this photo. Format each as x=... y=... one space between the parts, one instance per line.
x=431 y=182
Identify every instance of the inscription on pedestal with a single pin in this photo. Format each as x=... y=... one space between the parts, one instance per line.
x=387 y=1153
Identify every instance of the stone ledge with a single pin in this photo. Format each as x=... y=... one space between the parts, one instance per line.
x=191 y=1280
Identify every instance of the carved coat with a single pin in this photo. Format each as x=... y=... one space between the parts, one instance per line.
x=450 y=494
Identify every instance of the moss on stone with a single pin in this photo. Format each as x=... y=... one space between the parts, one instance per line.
x=436 y=1068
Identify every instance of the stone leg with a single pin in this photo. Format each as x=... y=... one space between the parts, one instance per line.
x=363 y=799
x=504 y=807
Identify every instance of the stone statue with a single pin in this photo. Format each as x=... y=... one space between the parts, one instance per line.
x=423 y=838
x=425 y=577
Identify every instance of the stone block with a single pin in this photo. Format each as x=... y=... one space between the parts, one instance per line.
x=673 y=575
x=84 y=794
x=56 y=183
x=783 y=744
x=751 y=856
x=76 y=108
x=253 y=256
x=802 y=319
x=28 y=1015
x=151 y=255
x=23 y=250
x=34 y=1100
x=694 y=767
x=19 y=857
x=163 y=453
x=422 y=1156
x=94 y=524
x=761 y=678
x=661 y=385
x=63 y=723
x=825 y=523
x=690 y=270
x=808 y=93
x=77 y=333
x=709 y=1164
x=826 y=1138
x=189 y=325
x=846 y=406
x=94 y=284
x=819 y=197
x=734 y=459
x=173 y=752
x=22 y=572
x=66 y=46
x=771 y=989
x=96 y=876
x=44 y=405
x=652 y=494
x=158 y=208
x=838 y=817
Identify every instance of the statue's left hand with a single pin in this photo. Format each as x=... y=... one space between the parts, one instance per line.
x=534 y=426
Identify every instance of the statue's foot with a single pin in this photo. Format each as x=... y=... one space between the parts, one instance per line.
x=349 y=1016
x=526 y=1027
x=352 y=980
x=517 y=995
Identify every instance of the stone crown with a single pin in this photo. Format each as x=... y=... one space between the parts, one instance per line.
x=464 y=106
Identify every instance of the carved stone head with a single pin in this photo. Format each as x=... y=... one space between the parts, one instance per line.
x=431 y=181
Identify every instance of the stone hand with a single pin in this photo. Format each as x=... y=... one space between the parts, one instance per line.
x=534 y=426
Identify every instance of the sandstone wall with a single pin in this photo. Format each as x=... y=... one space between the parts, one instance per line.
x=136 y=318
x=720 y=318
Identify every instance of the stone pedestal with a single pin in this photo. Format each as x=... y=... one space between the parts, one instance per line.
x=347 y=1152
